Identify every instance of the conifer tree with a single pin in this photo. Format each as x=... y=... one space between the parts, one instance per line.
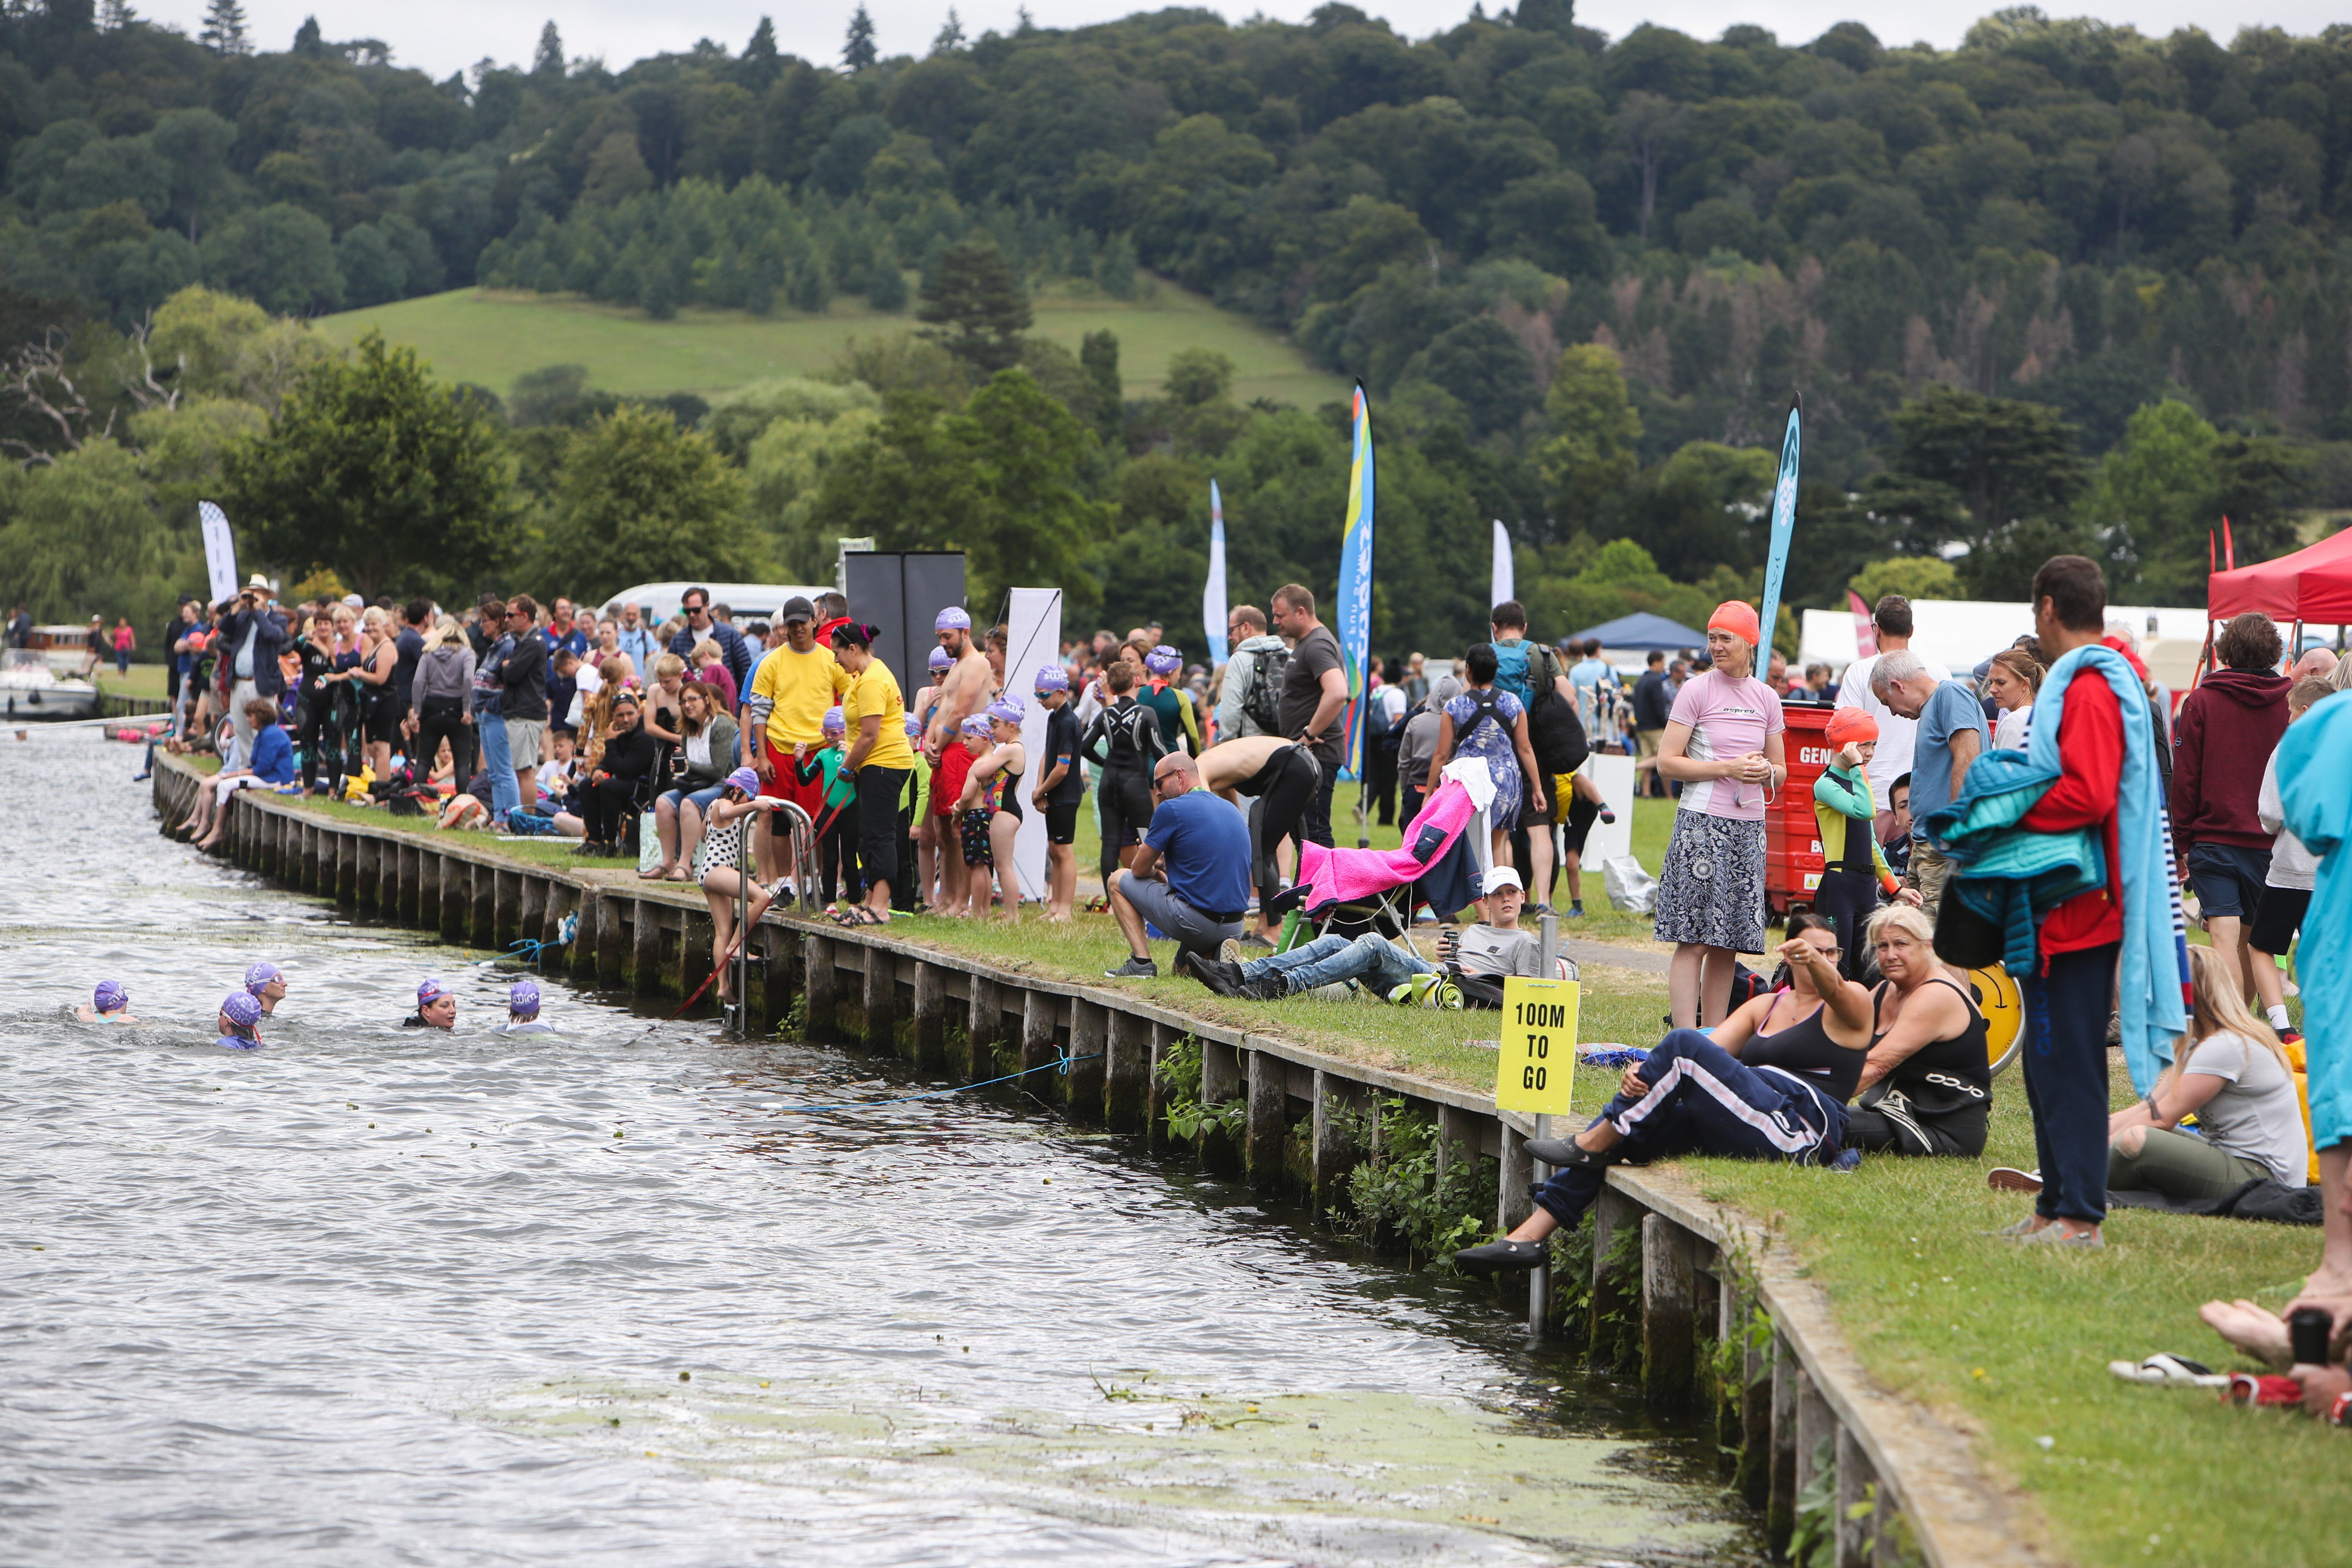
x=548 y=58
x=114 y=15
x=223 y=31
x=975 y=305
x=950 y=36
x=859 y=51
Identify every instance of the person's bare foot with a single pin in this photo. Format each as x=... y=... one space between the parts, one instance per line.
x=2255 y=1330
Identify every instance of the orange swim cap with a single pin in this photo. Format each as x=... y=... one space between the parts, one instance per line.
x=1736 y=616
x=1850 y=726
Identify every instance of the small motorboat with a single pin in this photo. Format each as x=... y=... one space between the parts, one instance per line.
x=29 y=688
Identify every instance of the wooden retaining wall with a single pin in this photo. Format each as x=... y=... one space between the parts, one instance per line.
x=1709 y=1307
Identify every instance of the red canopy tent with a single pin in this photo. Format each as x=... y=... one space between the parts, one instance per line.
x=2312 y=585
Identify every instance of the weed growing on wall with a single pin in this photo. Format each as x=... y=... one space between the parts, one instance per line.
x=1400 y=1196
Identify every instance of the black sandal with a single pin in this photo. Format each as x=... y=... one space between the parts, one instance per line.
x=1496 y=1257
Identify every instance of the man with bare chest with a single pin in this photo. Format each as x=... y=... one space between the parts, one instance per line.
x=963 y=691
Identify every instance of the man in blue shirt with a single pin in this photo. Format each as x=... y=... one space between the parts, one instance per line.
x=700 y=624
x=1951 y=735
x=636 y=639
x=1204 y=841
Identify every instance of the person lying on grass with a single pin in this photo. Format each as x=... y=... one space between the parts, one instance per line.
x=2233 y=1074
x=1772 y=1084
x=1496 y=947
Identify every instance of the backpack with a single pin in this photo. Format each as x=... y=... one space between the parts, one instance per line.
x=1555 y=732
x=1269 y=670
x=1484 y=701
x=1511 y=671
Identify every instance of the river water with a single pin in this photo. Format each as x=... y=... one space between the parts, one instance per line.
x=373 y=1296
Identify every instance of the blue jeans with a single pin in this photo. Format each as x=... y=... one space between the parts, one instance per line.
x=1370 y=959
x=505 y=794
x=2065 y=1062
x=701 y=798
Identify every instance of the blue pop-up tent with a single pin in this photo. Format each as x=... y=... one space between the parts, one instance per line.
x=1643 y=631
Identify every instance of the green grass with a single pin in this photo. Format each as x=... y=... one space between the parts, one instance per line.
x=2015 y=1345
x=490 y=337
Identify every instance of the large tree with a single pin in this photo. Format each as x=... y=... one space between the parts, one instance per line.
x=975 y=305
x=370 y=470
x=641 y=499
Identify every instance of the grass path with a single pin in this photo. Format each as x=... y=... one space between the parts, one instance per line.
x=490 y=337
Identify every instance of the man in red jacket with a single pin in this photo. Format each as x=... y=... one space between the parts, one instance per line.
x=2070 y=992
x=2227 y=728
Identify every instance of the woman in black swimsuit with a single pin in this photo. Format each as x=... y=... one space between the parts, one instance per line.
x=1927 y=1088
x=1772 y=1084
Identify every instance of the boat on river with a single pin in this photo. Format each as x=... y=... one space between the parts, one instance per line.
x=30 y=688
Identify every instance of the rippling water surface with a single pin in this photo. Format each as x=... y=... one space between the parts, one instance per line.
x=375 y=1296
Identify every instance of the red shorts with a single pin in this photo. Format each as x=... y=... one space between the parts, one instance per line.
x=783 y=784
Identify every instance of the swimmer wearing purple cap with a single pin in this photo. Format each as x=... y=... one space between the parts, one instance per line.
x=522 y=1001
x=1057 y=789
x=744 y=779
x=941 y=660
x=835 y=724
x=1008 y=708
x=1163 y=661
x=110 y=1004
x=239 y=1023
x=436 y=1007
x=265 y=984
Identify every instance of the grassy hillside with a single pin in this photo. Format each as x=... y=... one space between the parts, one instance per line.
x=490 y=337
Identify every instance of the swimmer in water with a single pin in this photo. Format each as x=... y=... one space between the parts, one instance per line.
x=110 y=1004
x=240 y=1023
x=437 y=1008
x=265 y=984
x=523 y=1011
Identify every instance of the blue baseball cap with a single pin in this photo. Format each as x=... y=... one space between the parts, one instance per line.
x=258 y=976
x=523 y=996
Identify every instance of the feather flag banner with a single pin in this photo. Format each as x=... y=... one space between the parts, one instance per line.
x=1352 y=616
x=1784 y=523
x=1213 y=597
x=1504 y=583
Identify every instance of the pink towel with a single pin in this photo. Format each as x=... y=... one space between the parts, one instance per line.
x=1350 y=874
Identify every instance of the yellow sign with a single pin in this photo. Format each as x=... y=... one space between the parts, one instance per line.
x=1537 y=1068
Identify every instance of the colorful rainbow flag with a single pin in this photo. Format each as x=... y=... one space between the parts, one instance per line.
x=1351 y=618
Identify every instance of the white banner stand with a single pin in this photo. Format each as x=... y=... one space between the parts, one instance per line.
x=220 y=550
x=1032 y=641
x=1607 y=840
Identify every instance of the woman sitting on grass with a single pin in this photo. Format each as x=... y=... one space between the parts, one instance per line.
x=1927 y=1087
x=2231 y=1072
x=1772 y=1084
x=708 y=744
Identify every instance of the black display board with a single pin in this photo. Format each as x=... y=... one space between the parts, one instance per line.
x=902 y=592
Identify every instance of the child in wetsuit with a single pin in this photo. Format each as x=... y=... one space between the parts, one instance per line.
x=837 y=846
x=1853 y=870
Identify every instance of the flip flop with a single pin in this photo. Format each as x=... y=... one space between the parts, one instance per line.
x=2166 y=1367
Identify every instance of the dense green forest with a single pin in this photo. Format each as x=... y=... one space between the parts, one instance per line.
x=2065 y=285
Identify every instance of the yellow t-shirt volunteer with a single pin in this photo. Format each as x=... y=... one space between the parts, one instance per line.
x=802 y=686
x=874 y=693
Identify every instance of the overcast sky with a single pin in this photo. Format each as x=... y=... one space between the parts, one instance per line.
x=443 y=36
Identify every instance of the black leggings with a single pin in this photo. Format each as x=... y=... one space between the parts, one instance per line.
x=1126 y=801
x=837 y=858
x=436 y=722
x=322 y=740
x=1285 y=787
x=879 y=790
x=605 y=806
x=1849 y=898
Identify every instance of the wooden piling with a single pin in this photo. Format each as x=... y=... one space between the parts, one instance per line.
x=1668 y=1311
x=928 y=1034
x=1126 y=1073
x=820 y=983
x=1089 y=1044
x=1268 y=1126
x=881 y=998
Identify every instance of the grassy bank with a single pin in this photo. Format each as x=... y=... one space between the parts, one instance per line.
x=490 y=337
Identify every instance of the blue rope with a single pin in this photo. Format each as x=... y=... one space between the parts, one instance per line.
x=1062 y=1066
x=529 y=950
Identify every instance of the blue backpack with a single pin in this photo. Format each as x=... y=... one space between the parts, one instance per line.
x=1511 y=670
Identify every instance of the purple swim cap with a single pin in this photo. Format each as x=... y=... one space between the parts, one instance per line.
x=261 y=974
x=1007 y=708
x=1163 y=660
x=430 y=990
x=523 y=997
x=942 y=659
x=112 y=996
x=1051 y=677
x=835 y=724
x=952 y=619
x=977 y=724
x=745 y=779
x=239 y=1008
x=914 y=728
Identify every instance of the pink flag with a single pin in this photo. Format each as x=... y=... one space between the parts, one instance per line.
x=1865 y=634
